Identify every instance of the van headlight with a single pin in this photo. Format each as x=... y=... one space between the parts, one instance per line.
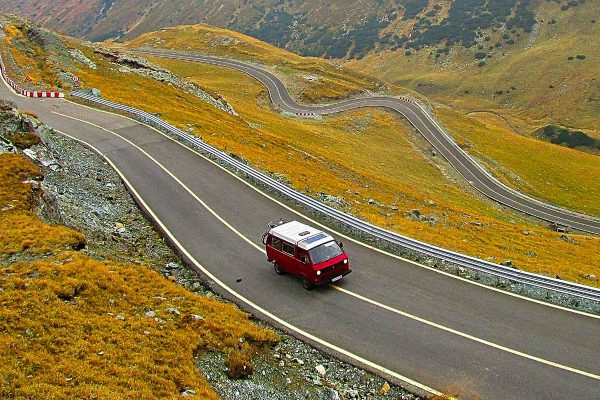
x=346 y=261
x=318 y=272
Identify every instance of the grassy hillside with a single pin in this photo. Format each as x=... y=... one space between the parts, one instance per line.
x=311 y=79
x=367 y=162
x=498 y=109
x=77 y=327
x=532 y=79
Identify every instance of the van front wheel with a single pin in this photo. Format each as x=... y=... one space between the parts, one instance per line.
x=306 y=284
x=277 y=268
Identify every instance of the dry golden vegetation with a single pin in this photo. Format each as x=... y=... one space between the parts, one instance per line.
x=537 y=81
x=37 y=69
x=357 y=156
x=557 y=174
x=75 y=327
x=21 y=230
x=312 y=79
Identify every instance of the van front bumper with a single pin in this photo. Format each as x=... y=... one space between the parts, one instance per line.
x=333 y=278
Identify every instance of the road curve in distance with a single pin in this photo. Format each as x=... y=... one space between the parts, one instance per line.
x=441 y=331
x=421 y=119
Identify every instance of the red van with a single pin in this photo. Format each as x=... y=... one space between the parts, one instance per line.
x=306 y=252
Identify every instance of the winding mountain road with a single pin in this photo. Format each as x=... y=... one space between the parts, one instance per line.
x=408 y=322
x=474 y=173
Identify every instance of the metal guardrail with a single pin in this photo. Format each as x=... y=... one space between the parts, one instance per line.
x=461 y=260
x=303 y=110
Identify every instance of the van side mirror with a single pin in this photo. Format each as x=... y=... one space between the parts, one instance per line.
x=341 y=244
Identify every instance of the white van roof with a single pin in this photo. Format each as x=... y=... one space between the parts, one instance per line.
x=302 y=235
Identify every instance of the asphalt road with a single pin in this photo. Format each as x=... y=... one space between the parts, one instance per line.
x=390 y=315
x=425 y=124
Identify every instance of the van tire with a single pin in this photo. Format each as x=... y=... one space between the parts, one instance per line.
x=306 y=284
x=278 y=269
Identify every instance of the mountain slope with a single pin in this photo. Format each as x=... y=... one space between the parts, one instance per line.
x=548 y=76
x=350 y=28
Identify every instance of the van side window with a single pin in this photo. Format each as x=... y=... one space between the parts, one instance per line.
x=302 y=256
x=288 y=248
x=276 y=243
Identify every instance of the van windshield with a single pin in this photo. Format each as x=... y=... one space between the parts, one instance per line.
x=325 y=252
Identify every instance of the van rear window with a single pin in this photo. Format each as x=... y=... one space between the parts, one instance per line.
x=276 y=242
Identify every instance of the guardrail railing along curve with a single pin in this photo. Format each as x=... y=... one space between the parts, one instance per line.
x=460 y=260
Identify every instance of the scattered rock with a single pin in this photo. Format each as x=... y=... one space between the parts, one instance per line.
x=188 y=392
x=150 y=314
x=173 y=310
x=321 y=370
x=120 y=317
x=526 y=233
x=298 y=361
x=171 y=266
x=567 y=239
x=331 y=394
x=507 y=263
x=590 y=277
x=197 y=317
x=414 y=214
x=79 y=56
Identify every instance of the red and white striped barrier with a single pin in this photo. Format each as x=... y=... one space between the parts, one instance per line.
x=24 y=92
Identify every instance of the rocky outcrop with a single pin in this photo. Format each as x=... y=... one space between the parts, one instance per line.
x=128 y=63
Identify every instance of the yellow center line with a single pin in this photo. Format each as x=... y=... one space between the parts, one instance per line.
x=355 y=295
x=340 y=234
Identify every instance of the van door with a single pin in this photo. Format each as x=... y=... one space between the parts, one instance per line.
x=289 y=255
x=305 y=267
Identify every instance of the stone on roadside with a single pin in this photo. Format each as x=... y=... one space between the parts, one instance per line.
x=173 y=311
x=298 y=361
x=321 y=370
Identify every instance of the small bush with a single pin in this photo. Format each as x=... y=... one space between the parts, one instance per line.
x=239 y=365
x=580 y=57
x=23 y=140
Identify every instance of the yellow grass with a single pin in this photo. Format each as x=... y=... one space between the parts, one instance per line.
x=553 y=173
x=532 y=65
x=33 y=64
x=21 y=230
x=74 y=327
x=367 y=152
x=299 y=73
x=358 y=155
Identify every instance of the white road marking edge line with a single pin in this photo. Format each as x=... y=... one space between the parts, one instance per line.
x=337 y=233
x=360 y=297
x=247 y=301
